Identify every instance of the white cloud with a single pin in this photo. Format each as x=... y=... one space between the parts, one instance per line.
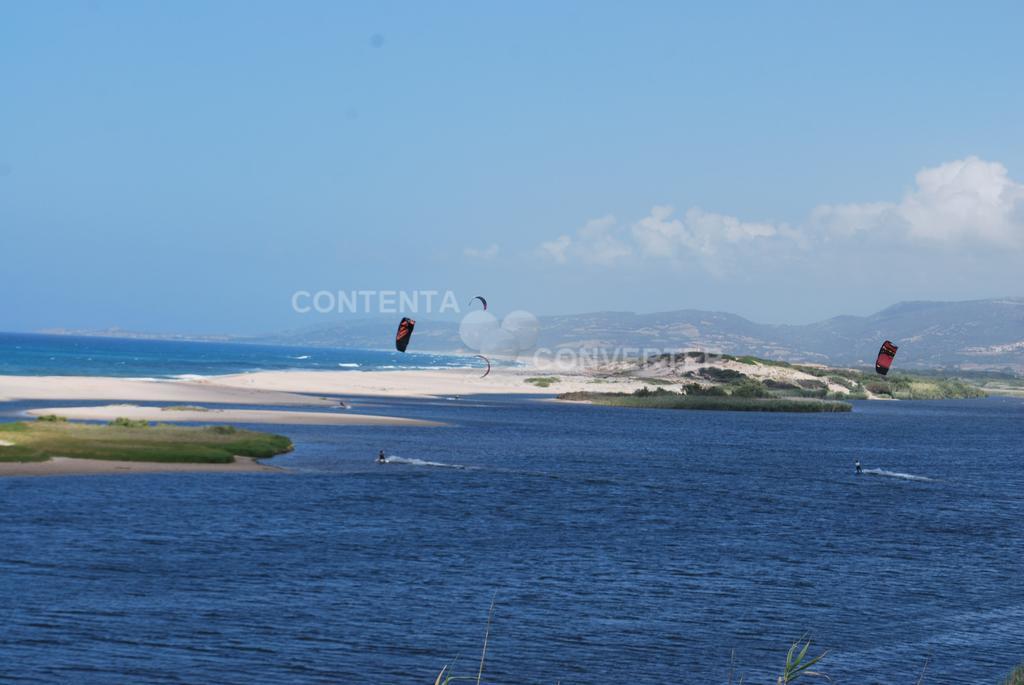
x=969 y=198
x=556 y=249
x=661 y=236
x=699 y=233
x=848 y=220
x=658 y=235
x=489 y=252
x=965 y=200
x=597 y=242
x=708 y=230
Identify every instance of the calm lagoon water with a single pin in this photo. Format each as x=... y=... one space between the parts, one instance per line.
x=620 y=546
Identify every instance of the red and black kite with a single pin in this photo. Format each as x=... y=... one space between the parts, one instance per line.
x=404 y=334
x=885 y=357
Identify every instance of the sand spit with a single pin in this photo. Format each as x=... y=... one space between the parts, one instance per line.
x=269 y=416
x=63 y=466
x=101 y=388
x=422 y=382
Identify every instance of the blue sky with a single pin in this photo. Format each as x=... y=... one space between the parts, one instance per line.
x=187 y=166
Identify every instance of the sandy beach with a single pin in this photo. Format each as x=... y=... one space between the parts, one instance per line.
x=297 y=388
x=109 y=412
x=105 y=389
x=419 y=382
x=63 y=466
x=326 y=388
x=322 y=388
x=293 y=390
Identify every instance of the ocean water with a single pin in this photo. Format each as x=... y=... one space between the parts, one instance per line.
x=618 y=545
x=29 y=354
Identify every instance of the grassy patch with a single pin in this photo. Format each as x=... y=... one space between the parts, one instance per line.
x=717 y=374
x=756 y=361
x=748 y=387
x=940 y=389
x=705 y=390
x=923 y=388
x=184 y=407
x=662 y=399
x=1016 y=677
x=38 y=441
x=918 y=385
x=542 y=381
x=1004 y=389
x=121 y=422
x=655 y=381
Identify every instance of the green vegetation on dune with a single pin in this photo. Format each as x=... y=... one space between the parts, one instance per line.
x=655 y=381
x=126 y=440
x=905 y=387
x=542 y=381
x=720 y=375
x=1006 y=383
x=664 y=399
x=901 y=386
x=758 y=361
x=121 y=422
x=720 y=371
x=1016 y=677
x=704 y=390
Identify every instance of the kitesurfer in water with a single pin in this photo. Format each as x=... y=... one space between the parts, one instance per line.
x=381 y=459
x=856 y=465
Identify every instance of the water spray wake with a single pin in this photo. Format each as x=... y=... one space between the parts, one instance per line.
x=420 y=462
x=897 y=474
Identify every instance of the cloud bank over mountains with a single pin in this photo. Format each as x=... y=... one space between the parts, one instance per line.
x=965 y=205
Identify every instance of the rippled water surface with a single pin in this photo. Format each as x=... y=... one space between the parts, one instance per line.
x=621 y=546
x=31 y=354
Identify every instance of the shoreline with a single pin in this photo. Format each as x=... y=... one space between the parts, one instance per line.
x=297 y=387
x=113 y=388
x=67 y=466
x=419 y=383
x=110 y=412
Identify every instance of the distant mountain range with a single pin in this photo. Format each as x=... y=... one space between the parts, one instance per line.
x=972 y=335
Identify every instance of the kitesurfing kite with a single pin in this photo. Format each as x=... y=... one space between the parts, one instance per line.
x=487 y=361
x=885 y=357
x=482 y=300
x=404 y=333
